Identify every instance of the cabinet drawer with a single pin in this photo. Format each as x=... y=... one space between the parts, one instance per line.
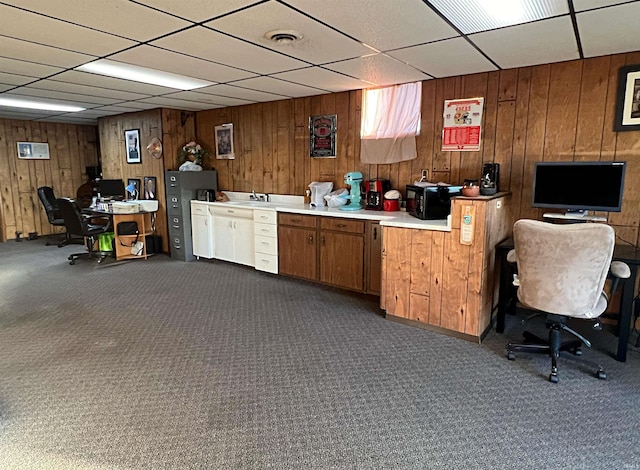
x=297 y=220
x=342 y=225
x=232 y=212
x=268 y=263
x=199 y=209
x=265 y=230
x=265 y=217
x=266 y=245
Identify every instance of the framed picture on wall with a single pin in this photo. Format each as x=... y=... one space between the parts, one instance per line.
x=132 y=141
x=150 y=187
x=628 y=99
x=224 y=142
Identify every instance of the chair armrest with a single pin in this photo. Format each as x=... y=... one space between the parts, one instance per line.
x=620 y=270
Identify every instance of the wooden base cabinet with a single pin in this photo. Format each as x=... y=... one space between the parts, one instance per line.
x=124 y=243
x=446 y=281
x=330 y=250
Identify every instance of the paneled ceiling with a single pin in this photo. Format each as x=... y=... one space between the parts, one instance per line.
x=346 y=45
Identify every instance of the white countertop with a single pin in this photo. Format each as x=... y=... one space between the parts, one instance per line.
x=388 y=219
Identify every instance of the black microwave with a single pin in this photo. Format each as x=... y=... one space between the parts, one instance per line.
x=430 y=202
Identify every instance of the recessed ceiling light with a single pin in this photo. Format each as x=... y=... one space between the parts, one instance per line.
x=14 y=103
x=472 y=16
x=111 y=68
x=283 y=36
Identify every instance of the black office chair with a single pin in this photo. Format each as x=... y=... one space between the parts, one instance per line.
x=50 y=204
x=81 y=226
x=562 y=270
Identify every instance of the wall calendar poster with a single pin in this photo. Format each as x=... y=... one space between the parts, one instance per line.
x=322 y=136
x=462 y=126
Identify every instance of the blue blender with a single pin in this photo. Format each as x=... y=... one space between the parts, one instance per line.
x=353 y=179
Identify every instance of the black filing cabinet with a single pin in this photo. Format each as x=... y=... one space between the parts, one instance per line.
x=182 y=187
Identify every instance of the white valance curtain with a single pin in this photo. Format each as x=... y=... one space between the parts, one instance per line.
x=390 y=123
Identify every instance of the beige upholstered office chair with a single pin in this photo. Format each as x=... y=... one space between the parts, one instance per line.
x=562 y=270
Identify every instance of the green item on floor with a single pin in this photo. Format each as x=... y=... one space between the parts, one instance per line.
x=104 y=241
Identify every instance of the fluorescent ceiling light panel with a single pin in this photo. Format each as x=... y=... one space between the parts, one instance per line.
x=39 y=105
x=472 y=16
x=112 y=68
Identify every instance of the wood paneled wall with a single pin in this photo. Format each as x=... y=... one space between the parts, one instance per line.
x=561 y=111
x=165 y=124
x=71 y=147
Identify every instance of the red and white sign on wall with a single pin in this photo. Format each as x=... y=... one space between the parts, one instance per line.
x=462 y=124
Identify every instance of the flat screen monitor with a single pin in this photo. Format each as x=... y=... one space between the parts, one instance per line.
x=111 y=188
x=579 y=186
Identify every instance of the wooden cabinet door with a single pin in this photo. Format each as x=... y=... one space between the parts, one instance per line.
x=342 y=260
x=374 y=258
x=396 y=276
x=297 y=252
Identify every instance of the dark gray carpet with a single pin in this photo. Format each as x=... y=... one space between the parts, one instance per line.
x=165 y=364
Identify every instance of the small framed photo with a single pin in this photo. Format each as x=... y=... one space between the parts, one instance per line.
x=135 y=185
x=132 y=140
x=224 y=142
x=150 y=187
x=628 y=99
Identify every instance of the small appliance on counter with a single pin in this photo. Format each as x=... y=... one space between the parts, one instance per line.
x=208 y=195
x=430 y=202
x=353 y=179
x=392 y=200
x=375 y=190
x=490 y=179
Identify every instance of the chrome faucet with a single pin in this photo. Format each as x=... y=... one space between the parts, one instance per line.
x=253 y=196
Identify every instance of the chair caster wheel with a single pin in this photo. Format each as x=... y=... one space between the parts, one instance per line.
x=577 y=352
x=511 y=355
x=72 y=262
x=601 y=375
x=553 y=378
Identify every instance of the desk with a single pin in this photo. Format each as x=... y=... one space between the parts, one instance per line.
x=123 y=243
x=626 y=253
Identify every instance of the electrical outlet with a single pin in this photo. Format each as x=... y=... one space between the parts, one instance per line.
x=499 y=205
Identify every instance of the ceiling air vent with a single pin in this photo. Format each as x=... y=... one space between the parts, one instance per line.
x=283 y=36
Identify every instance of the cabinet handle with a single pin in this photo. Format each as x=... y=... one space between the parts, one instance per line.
x=264 y=230
x=263 y=217
x=341 y=225
x=265 y=243
x=310 y=242
x=296 y=220
x=322 y=240
x=375 y=233
x=230 y=211
x=176 y=226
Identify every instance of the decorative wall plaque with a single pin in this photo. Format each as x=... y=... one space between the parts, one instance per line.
x=322 y=136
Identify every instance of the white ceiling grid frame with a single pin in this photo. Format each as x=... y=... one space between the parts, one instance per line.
x=540 y=42
x=198 y=10
x=117 y=17
x=582 y=5
x=41 y=54
x=610 y=30
x=384 y=25
x=379 y=69
x=319 y=44
x=273 y=85
x=472 y=16
x=323 y=78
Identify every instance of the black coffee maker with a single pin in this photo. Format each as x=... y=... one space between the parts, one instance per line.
x=490 y=179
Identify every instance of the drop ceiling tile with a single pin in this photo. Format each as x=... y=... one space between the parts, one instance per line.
x=462 y=58
x=273 y=85
x=41 y=54
x=138 y=106
x=56 y=85
x=220 y=48
x=319 y=45
x=162 y=101
x=241 y=93
x=472 y=16
x=582 y=5
x=43 y=30
x=323 y=78
x=197 y=10
x=116 y=109
x=19 y=67
x=174 y=62
x=541 y=42
x=383 y=25
x=92 y=79
x=25 y=114
x=119 y=17
x=14 y=79
x=66 y=97
x=208 y=98
x=379 y=69
x=610 y=30
x=5 y=87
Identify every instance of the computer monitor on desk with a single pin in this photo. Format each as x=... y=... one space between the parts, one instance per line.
x=111 y=189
